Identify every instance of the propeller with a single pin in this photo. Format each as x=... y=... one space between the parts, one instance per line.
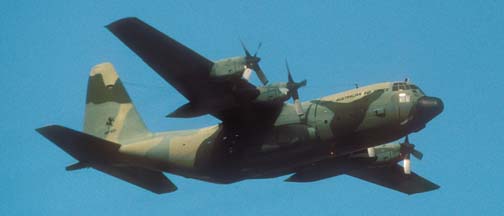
x=293 y=90
x=252 y=62
x=408 y=149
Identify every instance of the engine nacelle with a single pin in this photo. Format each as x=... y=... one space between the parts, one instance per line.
x=389 y=152
x=384 y=154
x=229 y=68
x=277 y=92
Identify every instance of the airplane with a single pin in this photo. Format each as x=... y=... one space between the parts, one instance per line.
x=261 y=135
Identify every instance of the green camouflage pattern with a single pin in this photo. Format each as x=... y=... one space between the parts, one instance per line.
x=110 y=114
x=332 y=128
x=328 y=129
x=260 y=136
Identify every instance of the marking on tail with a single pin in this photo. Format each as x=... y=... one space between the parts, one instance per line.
x=110 y=113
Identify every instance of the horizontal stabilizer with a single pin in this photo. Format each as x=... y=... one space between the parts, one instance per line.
x=393 y=177
x=153 y=181
x=81 y=146
x=100 y=154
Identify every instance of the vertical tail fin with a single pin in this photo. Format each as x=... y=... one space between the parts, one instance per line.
x=110 y=114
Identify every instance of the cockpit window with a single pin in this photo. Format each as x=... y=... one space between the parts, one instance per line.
x=395 y=87
x=399 y=86
x=416 y=88
x=405 y=86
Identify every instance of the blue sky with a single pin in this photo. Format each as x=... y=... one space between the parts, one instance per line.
x=452 y=49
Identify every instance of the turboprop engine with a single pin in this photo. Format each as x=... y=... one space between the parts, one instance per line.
x=239 y=67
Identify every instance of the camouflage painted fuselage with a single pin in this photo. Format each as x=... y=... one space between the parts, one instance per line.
x=260 y=136
x=332 y=126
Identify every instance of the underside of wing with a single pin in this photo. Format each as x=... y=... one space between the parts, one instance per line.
x=184 y=69
x=393 y=177
x=150 y=180
x=189 y=73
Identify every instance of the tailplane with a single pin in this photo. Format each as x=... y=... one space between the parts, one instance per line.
x=83 y=147
x=104 y=156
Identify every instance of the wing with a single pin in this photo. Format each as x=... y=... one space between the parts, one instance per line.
x=144 y=178
x=184 y=69
x=177 y=64
x=394 y=178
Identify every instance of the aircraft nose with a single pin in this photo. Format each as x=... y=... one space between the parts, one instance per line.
x=429 y=107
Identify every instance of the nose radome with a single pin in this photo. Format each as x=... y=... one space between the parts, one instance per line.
x=429 y=107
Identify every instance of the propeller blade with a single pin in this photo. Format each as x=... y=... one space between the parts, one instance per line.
x=417 y=154
x=260 y=74
x=407 y=164
x=294 y=93
x=293 y=90
x=247 y=53
x=302 y=83
x=257 y=50
x=289 y=75
x=408 y=148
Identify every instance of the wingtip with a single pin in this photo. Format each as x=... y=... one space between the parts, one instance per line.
x=44 y=129
x=111 y=26
x=436 y=187
x=167 y=190
x=173 y=115
x=432 y=187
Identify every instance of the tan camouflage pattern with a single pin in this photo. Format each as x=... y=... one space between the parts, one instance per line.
x=175 y=149
x=110 y=114
x=327 y=120
x=332 y=127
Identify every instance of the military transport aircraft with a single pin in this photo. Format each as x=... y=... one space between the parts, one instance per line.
x=260 y=136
